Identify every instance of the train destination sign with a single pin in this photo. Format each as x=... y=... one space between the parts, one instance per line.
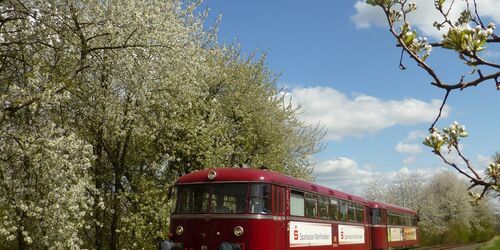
x=310 y=234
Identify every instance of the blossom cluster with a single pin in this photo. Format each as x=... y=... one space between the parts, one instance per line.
x=467 y=40
x=449 y=136
x=418 y=45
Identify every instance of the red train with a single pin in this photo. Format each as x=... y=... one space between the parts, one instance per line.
x=242 y=208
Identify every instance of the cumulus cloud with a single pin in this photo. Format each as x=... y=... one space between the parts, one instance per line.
x=423 y=18
x=411 y=145
x=359 y=115
x=408 y=148
x=367 y=15
x=344 y=174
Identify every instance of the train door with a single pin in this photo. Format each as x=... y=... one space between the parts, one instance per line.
x=279 y=215
x=367 y=219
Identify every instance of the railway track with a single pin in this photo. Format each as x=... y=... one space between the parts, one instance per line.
x=459 y=246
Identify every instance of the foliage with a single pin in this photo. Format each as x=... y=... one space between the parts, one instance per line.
x=103 y=105
x=491 y=245
x=44 y=187
x=468 y=42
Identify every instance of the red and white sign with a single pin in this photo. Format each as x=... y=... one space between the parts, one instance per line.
x=310 y=234
x=351 y=234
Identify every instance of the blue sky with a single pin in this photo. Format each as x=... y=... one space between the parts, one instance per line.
x=340 y=63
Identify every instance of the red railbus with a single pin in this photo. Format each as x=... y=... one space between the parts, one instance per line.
x=252 y=209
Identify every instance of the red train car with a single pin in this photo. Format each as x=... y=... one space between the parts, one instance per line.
x=242 y=208
x=393 y=227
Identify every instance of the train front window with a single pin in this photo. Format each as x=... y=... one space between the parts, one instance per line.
x=228 y=198
x=223 y=198
x=192 y=199
x=260 y=198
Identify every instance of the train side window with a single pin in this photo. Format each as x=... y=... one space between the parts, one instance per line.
x=360 y=213
x=323 y=207
x=343 y=210
x=390 y=219
x=351 y=210
x=296 y=203
x=311 y=205
x=260 y=198
x=397 y=217
x=376 y=216
x=334 y=209
x=394 y=219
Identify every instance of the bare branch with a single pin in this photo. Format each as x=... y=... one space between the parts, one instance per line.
x=477 y=14
x=440 y=109
x=464 y=85
x=456 y=167
x=475 y=181
x=467 y=162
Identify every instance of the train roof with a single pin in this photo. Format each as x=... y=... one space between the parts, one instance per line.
x=258 y=175
x=376 y=204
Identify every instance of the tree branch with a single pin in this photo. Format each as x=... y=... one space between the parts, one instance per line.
x=440 y=109
x=467 y=162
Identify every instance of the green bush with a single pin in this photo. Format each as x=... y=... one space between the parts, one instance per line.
x=493 y=244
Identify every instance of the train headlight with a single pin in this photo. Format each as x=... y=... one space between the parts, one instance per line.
x=212 y=175
x=179 y=230
x=238 y=231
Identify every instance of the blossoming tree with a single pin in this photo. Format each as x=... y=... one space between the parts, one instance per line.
x=103 y=104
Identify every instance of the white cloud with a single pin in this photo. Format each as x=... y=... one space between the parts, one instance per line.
x=359 y=115
x=416 y=135
x=408 y=148
x=411 y=159
x=425 y=15
x=367 y=15
x=344 y=174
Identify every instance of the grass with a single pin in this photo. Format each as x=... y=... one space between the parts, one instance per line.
x=493 y=244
